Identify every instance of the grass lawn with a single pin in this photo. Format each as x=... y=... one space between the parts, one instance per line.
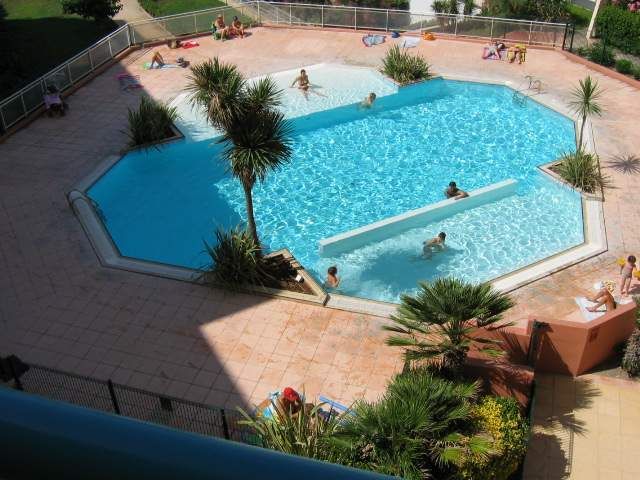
x=160 y=8
x=579 y=15
x=37 y=36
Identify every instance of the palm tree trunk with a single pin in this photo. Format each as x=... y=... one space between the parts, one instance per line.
x=453 y=362
x=584 y=120
x=251 y=221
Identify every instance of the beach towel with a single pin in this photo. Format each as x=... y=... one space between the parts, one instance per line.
x=147 y=66
x=486 y=56
x=583 y=303
x=409 y=42
x=190 y=44
x=370 y=40
x=128 y=82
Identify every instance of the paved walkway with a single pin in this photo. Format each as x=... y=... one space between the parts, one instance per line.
x=585 y=429
x=131 y=12
x=60 y=308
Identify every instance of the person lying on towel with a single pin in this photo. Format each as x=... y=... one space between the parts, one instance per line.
x=494 y=50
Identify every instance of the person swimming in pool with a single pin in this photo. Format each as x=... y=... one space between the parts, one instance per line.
x=454 y=192
x=332 y=281
x=368 y=101
x=435 y=244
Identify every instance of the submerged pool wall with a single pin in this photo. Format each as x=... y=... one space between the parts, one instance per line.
x=377 y=231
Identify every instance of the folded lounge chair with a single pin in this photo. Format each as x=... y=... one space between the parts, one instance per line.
x=371 y=40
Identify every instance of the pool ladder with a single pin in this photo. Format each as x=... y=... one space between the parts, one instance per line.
x=521 y=95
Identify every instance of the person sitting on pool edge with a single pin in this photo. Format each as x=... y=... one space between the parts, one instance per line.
x=332 y=277
x=454 y=192
x=436 y=243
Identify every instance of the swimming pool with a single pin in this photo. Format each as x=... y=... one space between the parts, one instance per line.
x=351 y=168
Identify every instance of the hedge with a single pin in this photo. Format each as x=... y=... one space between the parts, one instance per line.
x=620 y=28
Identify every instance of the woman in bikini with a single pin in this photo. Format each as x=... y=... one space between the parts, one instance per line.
x=303 y=83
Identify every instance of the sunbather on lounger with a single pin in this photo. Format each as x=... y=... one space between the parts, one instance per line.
x=602 y=297
x=494 y=50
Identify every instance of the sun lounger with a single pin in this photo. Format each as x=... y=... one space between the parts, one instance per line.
x=334 y=406
x=147 y=66
x=128 y=82
x=409 y=42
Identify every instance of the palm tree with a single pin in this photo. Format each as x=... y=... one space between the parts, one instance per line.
x=256 y=135
x=439 y=322
x=584 y=102
x=417 y=430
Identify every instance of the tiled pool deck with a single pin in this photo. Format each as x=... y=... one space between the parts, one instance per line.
x=60 y=308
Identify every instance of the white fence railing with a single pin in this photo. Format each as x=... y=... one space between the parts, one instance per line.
x=28 y=99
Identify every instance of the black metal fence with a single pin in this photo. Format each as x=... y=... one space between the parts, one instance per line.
x=119 y=399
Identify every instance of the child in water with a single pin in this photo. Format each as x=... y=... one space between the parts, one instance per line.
x=332 y=280
x=436 y=243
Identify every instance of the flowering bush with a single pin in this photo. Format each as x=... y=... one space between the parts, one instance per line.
x=620 y=26
x=509 y=430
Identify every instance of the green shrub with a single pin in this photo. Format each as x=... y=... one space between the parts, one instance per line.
x=417 y=430
x=501 y=419
x=404 y=67
x=581 y=170
x=602 y=55
x=235 y=261
x=582 y=51
x=631 y=358
x=620 y=28
x=151 y=122
x=636 y=71
x=624 y=66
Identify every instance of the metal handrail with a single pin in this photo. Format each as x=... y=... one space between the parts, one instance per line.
x=130 y=28
x=393 y=10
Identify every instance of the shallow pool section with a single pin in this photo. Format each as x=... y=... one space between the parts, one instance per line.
x=353 y=167
x=332 y=86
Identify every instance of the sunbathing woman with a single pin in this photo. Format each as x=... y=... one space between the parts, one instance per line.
x=602 y=297
x=494 y=50
x=157 y=58
x=303 y=83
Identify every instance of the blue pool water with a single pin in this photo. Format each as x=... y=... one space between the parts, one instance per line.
x=352 y=167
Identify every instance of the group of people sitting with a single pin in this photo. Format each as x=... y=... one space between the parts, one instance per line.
x=497 y=51
x=219 y=28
